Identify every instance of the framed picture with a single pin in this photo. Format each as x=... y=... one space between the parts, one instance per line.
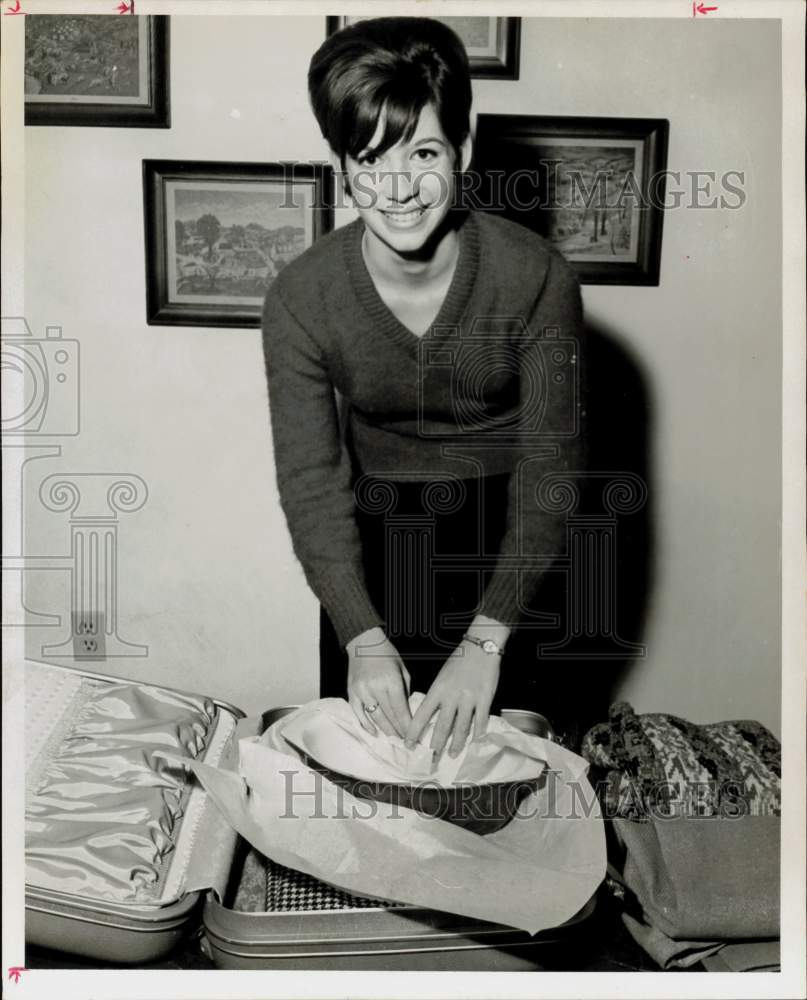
x=217 y=234
x=594 y=187
x=492 y=43
x=97 y=69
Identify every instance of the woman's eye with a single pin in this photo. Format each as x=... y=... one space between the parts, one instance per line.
x=426 y=154
x=367 y=160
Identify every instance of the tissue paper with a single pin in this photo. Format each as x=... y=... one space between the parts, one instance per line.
x=536 y=873
x=328 y=731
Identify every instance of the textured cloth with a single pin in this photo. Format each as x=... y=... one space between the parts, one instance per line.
x=661 y=765
x=250 y=893
x=266 y=887
x=666 y=952
x=290 y=891
x=694 y=813
x=705 y=878
x=699 y=886
x=495 y=377
x=715 y=956
x=745 y=956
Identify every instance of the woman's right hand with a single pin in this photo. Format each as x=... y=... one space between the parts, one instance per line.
x=376 y=675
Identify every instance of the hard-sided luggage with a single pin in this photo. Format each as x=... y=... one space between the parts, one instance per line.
x=248 y=912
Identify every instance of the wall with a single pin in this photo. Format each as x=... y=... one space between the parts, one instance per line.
x=207 y=577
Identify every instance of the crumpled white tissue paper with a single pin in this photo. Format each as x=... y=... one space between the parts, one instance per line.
x=536 y=873
x=328 y=731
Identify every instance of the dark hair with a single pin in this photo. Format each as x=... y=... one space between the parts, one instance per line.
x=394 y=64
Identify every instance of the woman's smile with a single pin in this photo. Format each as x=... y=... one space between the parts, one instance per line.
x=406 y=218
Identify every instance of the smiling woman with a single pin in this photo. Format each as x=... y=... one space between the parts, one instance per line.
x=402 y=194
x=402 y=197
x=439 y=327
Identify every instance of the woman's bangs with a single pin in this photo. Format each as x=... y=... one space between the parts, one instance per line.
x=402 y=114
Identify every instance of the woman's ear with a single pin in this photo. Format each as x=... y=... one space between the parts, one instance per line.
x=466 y=151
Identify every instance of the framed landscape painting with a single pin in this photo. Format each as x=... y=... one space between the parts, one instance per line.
x=594 y=187
x=492 y=43
x=218 y=234
x=91 y=69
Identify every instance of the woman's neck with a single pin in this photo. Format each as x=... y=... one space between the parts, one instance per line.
x=391 y=268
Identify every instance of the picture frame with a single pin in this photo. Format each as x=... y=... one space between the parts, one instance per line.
x=97 y=70
x=594 y=187
x=217 y=234
x=493 y=44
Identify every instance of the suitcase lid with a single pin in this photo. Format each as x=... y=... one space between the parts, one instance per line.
x=205 y=843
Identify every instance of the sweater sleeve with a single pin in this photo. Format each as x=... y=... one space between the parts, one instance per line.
x=313 y=469
x=555 y=346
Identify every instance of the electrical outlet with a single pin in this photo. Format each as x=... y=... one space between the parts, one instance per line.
x=88 y=636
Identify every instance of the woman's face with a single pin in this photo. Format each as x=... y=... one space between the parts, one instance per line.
x=403 y=194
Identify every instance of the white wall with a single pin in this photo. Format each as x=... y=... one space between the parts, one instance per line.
x=207 y=577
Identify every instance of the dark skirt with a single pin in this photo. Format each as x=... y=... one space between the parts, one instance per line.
x=421 y=543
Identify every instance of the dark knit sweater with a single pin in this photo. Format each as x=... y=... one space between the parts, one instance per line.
x=488 y=389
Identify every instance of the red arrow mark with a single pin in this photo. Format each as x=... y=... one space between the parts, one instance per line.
x=16 y=971
x=124 y=8
x=16 y=9
x=699 y=8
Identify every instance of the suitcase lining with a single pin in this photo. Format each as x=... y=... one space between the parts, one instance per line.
x=61 y=698
x=195 y=816
x=68 y=698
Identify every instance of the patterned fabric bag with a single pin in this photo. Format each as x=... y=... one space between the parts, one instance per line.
x=657 y=765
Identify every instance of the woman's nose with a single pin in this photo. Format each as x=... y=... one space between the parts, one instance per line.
x=398 y=185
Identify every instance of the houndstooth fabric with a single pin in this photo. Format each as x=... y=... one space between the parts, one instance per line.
x=290 y=890
x=661 y=765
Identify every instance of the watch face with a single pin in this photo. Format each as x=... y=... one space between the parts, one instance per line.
x=490 y=646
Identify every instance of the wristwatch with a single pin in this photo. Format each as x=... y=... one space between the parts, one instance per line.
x=489 y=645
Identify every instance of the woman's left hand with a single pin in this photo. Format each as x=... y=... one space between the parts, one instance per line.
x=463 y=691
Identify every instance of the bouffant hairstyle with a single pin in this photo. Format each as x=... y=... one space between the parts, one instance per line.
x=397 y=65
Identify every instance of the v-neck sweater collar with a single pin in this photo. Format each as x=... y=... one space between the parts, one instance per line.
x=454 y=303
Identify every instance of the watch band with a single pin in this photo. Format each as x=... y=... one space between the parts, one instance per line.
x=489 y=645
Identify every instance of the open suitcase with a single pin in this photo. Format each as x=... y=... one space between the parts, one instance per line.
x=248 y=912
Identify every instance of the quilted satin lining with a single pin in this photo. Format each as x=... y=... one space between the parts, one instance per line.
x=103 y=816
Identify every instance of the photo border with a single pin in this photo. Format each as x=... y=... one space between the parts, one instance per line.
x=137 y=984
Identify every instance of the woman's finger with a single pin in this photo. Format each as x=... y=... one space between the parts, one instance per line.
x=385 y=706
x=378 y=716
x=397 y=708
x=462 y=727
x=442 y=728
x=481 y=716
x=421 y=718
x=358 y=710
